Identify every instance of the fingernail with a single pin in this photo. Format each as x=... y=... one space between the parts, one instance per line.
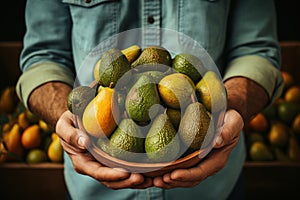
x=81 y=141
x=219 y=140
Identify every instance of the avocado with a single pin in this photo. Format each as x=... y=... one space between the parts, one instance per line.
x=194 y=125
x=162 y=143
x=127 y=141
x=189 y=65
x=153 y=55
x=211 y=92
x=141 y=97
x=113 y=66
x=175 y=116
x=79 y=98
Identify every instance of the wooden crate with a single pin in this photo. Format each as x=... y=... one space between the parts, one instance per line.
x=38 y=181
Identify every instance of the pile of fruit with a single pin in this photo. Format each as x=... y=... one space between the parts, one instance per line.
x=149 y=107
x=274 y=134
x=23 y=136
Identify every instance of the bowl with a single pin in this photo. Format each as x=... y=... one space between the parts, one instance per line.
x=146 y=168
x=152 y=169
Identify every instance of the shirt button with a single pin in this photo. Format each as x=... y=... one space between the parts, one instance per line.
x=151 y=20
x=88 y=1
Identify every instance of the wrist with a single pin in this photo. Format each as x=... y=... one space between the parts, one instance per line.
x=245 y=96
x=49 y=101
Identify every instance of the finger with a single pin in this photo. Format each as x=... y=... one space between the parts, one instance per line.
x=148 y=182
x=233 y=124
x=66 y=130
x=84 y=163
x=213 y=163
x=133 y=180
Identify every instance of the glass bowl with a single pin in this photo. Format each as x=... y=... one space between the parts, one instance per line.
x=175 y=43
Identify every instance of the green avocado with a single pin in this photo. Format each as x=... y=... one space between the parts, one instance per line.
x=141 y=99
x=194 y=126
x=127 y=141
x=162 y=143
x=189 y=65
x=153 y=55
x=113 y=66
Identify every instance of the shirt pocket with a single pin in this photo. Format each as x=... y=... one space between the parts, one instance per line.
x=93 y=21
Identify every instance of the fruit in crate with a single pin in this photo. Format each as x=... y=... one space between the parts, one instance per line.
x=157 y=106
x=24 y=137
x=277 y=127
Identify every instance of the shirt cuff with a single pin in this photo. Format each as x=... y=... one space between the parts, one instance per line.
x=259 y=70
x=39 y=74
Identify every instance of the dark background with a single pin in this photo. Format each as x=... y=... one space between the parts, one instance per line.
x=13 y=25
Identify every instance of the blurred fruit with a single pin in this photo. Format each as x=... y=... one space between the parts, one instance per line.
x=278 y=135
x=31 y=137
x=287 y=79
x=259 y=123
x=259 y=151
x=55 y=150
x=280 y=155
x=36 y=156
x=270 y=112
x=23 y=121
x=44 y=126
x=32 y=118
x=3 y=152
x=8 y=100
x=296 y=124
x=254 y=137
x=292 y=94
x=294 y=149
x=12 y=141
x=101 y=115
x=287 y=111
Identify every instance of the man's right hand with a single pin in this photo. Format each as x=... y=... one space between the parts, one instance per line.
x=75 y=142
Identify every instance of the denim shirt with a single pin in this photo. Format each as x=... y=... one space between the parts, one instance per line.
x=239 y=36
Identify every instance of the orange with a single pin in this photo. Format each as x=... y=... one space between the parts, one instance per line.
x=31 y=137
x=259 y=123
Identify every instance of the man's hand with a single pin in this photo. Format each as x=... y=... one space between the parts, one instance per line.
x=214 y=162
x=75 y=142
x=49 y=101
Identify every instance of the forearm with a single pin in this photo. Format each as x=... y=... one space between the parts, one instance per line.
x=49 y=101
x=245 y=96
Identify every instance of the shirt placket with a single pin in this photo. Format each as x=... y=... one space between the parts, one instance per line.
x=151 y=22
